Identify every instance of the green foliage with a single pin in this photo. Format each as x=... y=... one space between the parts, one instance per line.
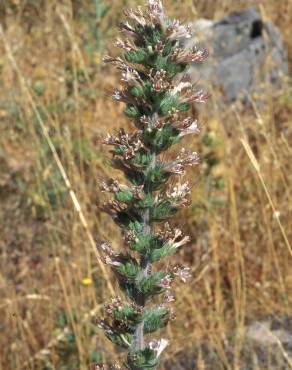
x=127 y=314
x=155 y=318
x=139 y=91
x=147 y=202
x=120 y=149
x=161 y=139
x=150 y=36
x=162 y=211
x=129 y=289
x=136 y=227
x=163 y=62
x=136 y=177
x=124 y=218
x=17 y=115
x=39 y=87
x=165 y=251
x=125 y=196
x=155 y=177
x=128 y=318
x=140 y=56
x=95 y=357
x=120 y=340
x=168 y=48
x=171 y=103
x=220 y=183
x=132 y=111
x=146 y=359
x=151 y=246
x=211 y=141
x=149 y=285
x=129 y=269
x=141 y=159
x=145 y=243
x=152 y=177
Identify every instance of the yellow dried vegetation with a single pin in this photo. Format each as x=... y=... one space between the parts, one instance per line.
x=54 y=107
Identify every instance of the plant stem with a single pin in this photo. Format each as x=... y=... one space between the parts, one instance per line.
x=138 y=342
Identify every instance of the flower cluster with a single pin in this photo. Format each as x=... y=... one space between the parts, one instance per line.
x=173 y=236
x=181 y=55
x=126 y=145
x=157 y=93
x=182 y=161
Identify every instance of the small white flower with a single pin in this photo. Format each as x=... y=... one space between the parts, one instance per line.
x=192 y=159
x=126 y=45
x=155 y=9
x=180 y=191
x=177 y=168
x=158 y=345
x=108 y=261
x=107 y=249
x=192 y=129
x=183 y=273
x=168 y=296
x=183 y=241
x=130 y=76
x=117 y=95
x=178 y=31
x=182 y=85
x=137 y=16
x=165 y=282
x=197 y=97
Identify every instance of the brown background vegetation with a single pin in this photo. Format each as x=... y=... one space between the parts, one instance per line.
x=54 y=87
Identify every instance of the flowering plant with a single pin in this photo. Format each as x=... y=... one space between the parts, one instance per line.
x=157 y=92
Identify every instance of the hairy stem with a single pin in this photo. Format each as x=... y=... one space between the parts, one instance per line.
x=138 y=342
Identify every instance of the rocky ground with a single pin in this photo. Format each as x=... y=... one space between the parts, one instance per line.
x=267 y=345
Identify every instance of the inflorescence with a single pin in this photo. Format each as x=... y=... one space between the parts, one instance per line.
x=157 y=92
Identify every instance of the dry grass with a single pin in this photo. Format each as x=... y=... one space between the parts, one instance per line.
x=53 y=107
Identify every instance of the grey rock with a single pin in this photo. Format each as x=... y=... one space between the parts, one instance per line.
x=269 y=332
x=246 y=54
x=267 y=344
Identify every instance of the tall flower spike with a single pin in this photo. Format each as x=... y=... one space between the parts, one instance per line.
x=157 y=92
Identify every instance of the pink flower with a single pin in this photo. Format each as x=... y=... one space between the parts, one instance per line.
x=168 y=296
x=183 y=273
x=155 y=9
x=130 y=76
x=180 y=164
x=189 y=126
x=176 y=30
x=107 y=249
x=165 y=282
x=188 y=56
